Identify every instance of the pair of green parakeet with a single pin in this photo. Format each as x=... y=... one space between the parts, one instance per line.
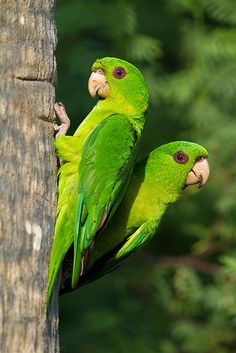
x=108 y=207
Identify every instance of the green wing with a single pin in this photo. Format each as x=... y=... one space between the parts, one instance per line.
x=111 y=261
x=107 y=162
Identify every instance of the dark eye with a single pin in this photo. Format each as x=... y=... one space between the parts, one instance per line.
x=180 y=157
x=119 y=72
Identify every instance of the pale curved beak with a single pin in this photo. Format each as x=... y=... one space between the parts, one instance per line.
x=97 y=84
x=199 y=174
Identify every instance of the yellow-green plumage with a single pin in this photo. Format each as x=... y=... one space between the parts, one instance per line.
x=99 y=159
x=156 y=182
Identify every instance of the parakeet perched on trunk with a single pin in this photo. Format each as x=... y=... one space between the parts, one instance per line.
x=99 y=160
x=156 y=182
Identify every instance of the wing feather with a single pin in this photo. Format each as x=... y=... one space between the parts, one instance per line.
x=113 y=260
x=106 y=165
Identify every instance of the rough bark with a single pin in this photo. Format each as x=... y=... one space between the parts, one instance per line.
x=28 y=174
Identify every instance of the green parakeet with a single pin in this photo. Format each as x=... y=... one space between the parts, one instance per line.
x=99 y=160
x=156 y=182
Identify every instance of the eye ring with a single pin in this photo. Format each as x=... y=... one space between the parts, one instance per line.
x=119 y=72
x=180 y=157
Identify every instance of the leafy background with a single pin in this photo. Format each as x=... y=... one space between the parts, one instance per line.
x=178 y=294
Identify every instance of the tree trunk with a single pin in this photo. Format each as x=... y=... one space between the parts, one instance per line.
x=28 y=174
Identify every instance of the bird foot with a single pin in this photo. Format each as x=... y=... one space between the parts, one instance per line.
x=63 y=117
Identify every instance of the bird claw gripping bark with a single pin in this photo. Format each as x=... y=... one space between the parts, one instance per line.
x=63 y=117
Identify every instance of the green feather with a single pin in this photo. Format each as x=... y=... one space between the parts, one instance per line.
x=156 y=182
x=99 y=161
x=101 y=179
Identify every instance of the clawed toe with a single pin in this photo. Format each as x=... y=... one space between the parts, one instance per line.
x=63 y=117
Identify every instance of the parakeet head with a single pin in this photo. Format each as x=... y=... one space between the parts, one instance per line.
x=120 y=83
x=178 y=164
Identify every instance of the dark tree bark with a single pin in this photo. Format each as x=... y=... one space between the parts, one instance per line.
x=28 y=174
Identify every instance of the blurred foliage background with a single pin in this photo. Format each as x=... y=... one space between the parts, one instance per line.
x=179 y=294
